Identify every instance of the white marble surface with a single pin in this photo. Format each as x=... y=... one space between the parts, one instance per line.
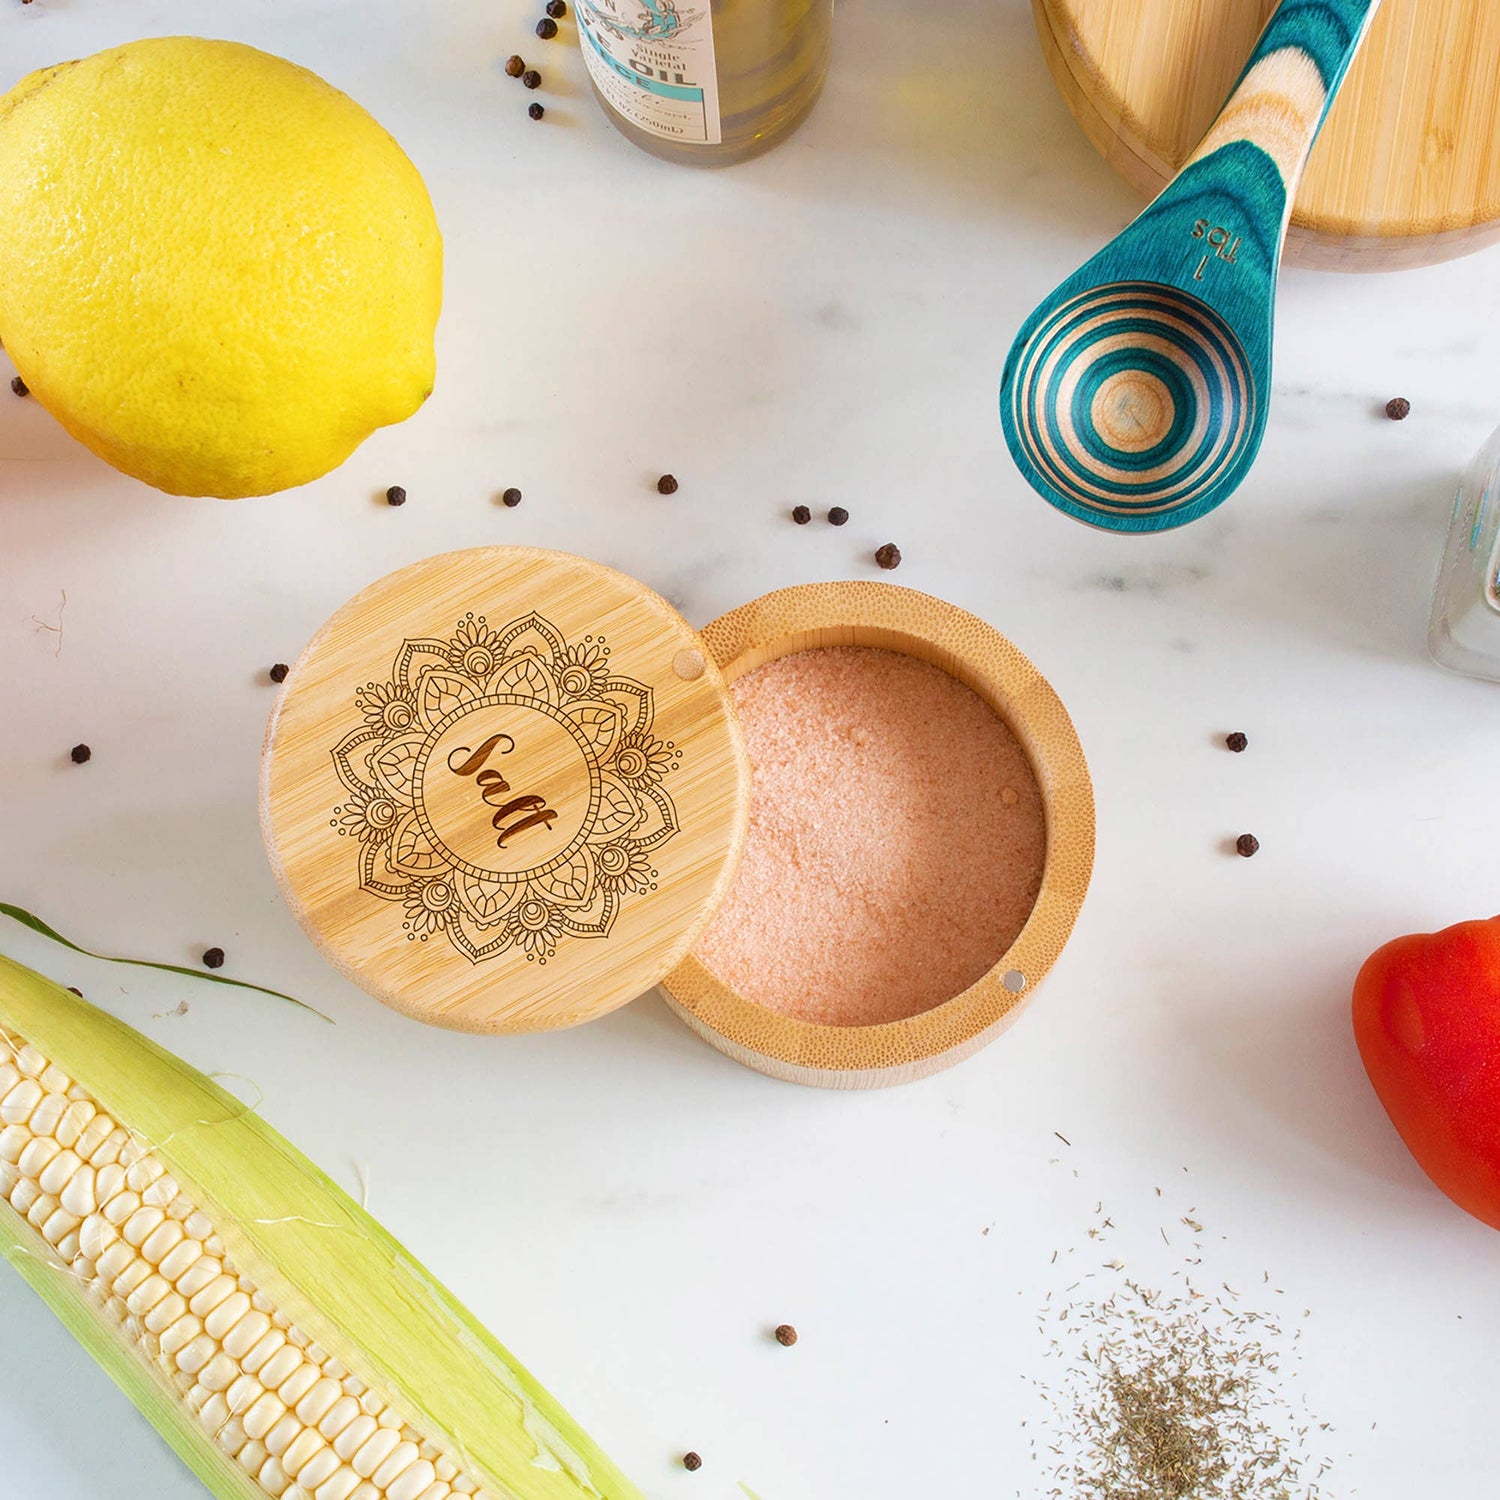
x=629 y=1210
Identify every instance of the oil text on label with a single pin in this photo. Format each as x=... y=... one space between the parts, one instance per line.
x=653 y=62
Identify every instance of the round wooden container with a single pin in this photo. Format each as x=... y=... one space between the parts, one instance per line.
x=1407 y=169
x=897 y=619
x=504 y=790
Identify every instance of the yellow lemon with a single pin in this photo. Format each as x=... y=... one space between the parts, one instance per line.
x=216 y=270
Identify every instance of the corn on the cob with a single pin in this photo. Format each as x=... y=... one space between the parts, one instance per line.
x=278 y=1338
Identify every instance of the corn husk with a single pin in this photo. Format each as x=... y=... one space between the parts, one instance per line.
x=303 y=1241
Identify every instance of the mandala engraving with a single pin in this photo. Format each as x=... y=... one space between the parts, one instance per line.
x=505 y=788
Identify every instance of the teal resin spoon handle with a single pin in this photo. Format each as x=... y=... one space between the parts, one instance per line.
x=1135 y=397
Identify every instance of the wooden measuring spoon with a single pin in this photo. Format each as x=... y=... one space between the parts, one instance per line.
x=1135 y=396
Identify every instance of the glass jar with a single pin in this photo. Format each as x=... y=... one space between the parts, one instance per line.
x=708 y=82
x=1465 y=630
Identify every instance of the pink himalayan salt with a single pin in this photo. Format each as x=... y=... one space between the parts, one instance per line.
x=896 y=842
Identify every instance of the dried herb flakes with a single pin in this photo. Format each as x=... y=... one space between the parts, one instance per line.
x=1173 y=1395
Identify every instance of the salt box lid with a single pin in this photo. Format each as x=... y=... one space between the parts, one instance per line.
x=504 y=789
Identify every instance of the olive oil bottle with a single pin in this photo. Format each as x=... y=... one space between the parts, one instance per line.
x=707 y=82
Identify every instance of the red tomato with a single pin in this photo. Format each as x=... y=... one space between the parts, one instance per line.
x=1427 y=1022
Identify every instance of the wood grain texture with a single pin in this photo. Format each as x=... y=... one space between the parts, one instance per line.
x=897 y=619
x=1407 y=169
x=1135 y=405
x=504 y=790
x=1135 y=397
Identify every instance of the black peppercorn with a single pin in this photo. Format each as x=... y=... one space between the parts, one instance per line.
x=1398 y=408
x=395 y=495
x=535 y=111
x=837 y=516
x=786 y=1335
x=1246 y=844
x=1236 y=741
x=691 y=1462
x=531 y=78
x=278 y=672
x=557 y=9
x=515 y=65
x=801 y=514
x=512 y=497
x=80 y=753
x=74 y=990
x=19 y=386
x=213 y=958
x=888 y=556
x=667 y=485
x=546 y=28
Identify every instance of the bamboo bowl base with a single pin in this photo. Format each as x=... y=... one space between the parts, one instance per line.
x=896 y=619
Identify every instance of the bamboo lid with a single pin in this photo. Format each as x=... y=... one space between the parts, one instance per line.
x=504 y=790
x=1406 y=171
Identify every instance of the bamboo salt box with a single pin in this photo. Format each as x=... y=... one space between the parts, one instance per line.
x=506 y=789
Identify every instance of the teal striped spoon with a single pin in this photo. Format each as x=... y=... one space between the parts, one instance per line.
x=1135 y=397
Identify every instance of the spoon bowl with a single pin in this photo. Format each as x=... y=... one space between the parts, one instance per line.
x=1131 y=400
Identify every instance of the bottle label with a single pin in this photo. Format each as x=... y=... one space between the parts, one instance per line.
x=653 y=62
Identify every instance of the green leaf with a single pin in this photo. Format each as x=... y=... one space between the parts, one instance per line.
x=35 y=923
